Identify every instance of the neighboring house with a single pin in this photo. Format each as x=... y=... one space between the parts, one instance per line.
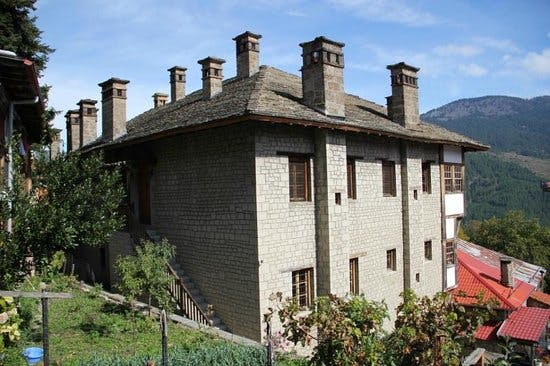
x=510 y=283
x=20 y=111
x=270 y=182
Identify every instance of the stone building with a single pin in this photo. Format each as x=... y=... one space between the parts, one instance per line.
x=269 y=181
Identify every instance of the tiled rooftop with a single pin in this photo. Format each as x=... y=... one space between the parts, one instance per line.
x=526 y=324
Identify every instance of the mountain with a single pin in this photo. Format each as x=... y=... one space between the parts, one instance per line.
x=509 y=176
x=506 y=123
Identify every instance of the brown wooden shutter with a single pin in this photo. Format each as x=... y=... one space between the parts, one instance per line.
x=299 y=178
x=388 y=178
x=352 y=189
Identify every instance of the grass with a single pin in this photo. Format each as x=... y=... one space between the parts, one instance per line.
x=89 y=330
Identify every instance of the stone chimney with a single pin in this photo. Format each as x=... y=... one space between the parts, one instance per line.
x=113 y=105
x=248 y=54
x=403 y=103
x=323 y=76
x=73 y=129
x=159 y=99
x=506 y=272
x=177 y=83
x=212 y=77
x=88 y=121
x=55 y=145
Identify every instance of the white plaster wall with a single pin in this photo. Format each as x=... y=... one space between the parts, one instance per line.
x=450 y=228
x=452 y=154
x=454 y=204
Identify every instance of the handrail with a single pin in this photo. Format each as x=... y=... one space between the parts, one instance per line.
x=188 y=305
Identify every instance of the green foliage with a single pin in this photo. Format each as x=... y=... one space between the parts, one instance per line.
x=347 y=332
x=74 y=202
x=495 y=186
x=145 y=273
x=514 y=235
x=9 y=323
x=18 y=32
x=432 y=331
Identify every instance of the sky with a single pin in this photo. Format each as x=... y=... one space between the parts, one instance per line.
x=464 y=49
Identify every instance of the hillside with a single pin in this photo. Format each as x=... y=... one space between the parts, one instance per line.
x=506 y=123
x=509 y=176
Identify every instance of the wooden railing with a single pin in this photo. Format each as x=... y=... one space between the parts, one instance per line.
x=185 y=301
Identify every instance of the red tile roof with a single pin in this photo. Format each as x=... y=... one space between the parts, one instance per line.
x=541 y=297
x=479 y=279
x=526 y=324
x=488 y=332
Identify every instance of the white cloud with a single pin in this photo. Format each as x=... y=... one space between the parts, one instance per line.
x=296 y=13
x=464 y=50
x=504 y=45
x=537 y=63
x=396 y=11
x=472 y=69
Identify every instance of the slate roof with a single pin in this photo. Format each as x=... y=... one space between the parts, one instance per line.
x=525 y=324
x=276 y=96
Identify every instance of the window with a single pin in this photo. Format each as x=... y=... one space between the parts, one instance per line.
x=450 y=253
x=391 y=259
x=90 y=111
x=426 y=178
x=428 y=250
x=388 y=178
x=302 y=286
x=119 y=92
x=354 y=276
x=352 y=190
x=452 y=173
x=299 y=178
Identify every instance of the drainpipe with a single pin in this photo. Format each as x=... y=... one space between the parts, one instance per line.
x=9 y=132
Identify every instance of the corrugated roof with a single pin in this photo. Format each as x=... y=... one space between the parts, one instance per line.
x=276 y=96
x=525 y=324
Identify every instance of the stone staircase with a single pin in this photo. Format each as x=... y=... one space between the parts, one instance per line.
x=183 y=281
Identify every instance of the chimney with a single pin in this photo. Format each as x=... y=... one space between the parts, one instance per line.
x=177 y=83
x=87 y=115
x=113 y=105
x=211 y=76
x=73 y=129
x=323 y=76
x=403 y=103
x=55 y=145
x=506 y=272
x=159 y=99
x=248 y=54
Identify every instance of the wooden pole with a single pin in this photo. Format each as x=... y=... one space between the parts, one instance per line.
x=164 y=329
x=45 y=339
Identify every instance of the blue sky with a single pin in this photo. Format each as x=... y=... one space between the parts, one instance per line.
x=463 y=48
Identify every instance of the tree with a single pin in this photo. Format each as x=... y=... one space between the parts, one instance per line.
x=145 y=273
x=346 y=331
x=19 y=33
x=75 y=201
x=433 y=331
x=516 y=236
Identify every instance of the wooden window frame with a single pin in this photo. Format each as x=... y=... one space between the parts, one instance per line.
x=354 y=276
x=426 y=177
x=391 y=259
x=453 y=178
x=389 y=186
x=450 y=253
x=352 y=178
x=302 y=287
x=293 y=162
x=428 y=250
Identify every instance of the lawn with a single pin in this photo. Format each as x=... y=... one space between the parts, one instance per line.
x=88 y=330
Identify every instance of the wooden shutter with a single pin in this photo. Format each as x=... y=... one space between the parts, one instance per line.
x=388 y=178
x=426 y=178
x=299 y=178
x=352 y=190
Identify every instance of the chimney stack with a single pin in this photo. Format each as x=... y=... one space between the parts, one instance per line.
x=323 y=76
x=248 y=54
x=87 y=115
x=177 y=83
x=73 y=129
x=506 y=272
x=55 y=145
x=159 y=99
x=211 y=76
x=113 y=105
x=403 y=103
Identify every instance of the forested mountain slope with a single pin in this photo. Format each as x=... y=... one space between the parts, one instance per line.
x=496 y=181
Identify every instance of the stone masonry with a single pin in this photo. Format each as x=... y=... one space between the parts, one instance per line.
x=113 y=108
x=87 y=116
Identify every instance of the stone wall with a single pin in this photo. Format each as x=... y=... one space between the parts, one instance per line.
x=203 y=201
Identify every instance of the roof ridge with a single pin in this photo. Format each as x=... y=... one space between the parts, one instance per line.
x=486 y=284
x=253 y=98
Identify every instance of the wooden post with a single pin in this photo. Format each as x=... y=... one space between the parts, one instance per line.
x=164 y=330
x=270 y=358
x=45 y=339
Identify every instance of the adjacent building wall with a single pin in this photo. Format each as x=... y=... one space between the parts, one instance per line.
x=203 y=201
